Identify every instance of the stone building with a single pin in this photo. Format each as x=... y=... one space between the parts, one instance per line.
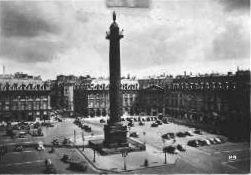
x=64 y=93
x=23 y=98
x=150 y=100
x=216 y=102
x=92 y=98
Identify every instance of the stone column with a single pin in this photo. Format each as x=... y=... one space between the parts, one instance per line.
x=115 y=133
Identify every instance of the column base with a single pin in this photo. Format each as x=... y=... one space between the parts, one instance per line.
x=115 y=136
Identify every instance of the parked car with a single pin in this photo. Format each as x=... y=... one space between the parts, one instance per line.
x=217 y=140
x=18 y=148
x=189 y=133
x=40 y=146
x=159 y=122
x=204 y=142
x=172 y=135
x=154 y=125
x=55 y=142
x=134 y=134
x=122 y=119
x=166 y=136
x=22 y=135
x=102 y=121
x=66 y=158
x=165 y=121
x=148 y=119
x=181 y=148
x=170 y=149
x=66 y=141
x=131 y=124
x=212 y=141
x=143 y=120
x=180 y=134
x=141 y=123
x=135 y=120
x=193 y=143
x=198 y=132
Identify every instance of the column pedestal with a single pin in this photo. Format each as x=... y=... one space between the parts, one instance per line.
x=115 y=136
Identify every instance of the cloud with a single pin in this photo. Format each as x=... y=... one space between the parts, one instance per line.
x=69 y=37
x=24 y=20
x=232 y=5
x=232 y=40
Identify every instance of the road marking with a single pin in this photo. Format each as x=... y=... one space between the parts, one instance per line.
x=22 y=163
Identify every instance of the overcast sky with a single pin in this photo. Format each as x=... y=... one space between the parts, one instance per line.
x=172 y=36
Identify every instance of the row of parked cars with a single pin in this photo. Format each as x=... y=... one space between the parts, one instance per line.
x=172 y=135
x=205 y=142
x=139 y=119
x=56 y=142
x=81 y=124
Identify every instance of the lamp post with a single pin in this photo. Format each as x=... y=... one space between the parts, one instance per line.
x=165 y=155
x=124 y=154
x=94 y=155
x=83 y=138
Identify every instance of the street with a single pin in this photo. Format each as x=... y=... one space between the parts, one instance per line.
x=206 y=159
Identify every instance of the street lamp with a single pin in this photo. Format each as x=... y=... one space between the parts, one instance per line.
x=83 y=138
x=124 y=154
x=165 y=151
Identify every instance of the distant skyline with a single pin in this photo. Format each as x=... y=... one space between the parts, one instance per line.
x=49 y=38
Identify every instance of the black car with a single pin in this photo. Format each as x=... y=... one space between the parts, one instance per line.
x=193 y=143
x=159 y=122
x=55 y=142
x=66 y=158
x=141 y=123
x=180 y=148
x=102 y=121
x=66 y=141
x=170 y=149
x=166 y=136
x=18 y=148
x=130 y=124
x=148 y=119
x=180 y=134
x=165 y=121
x=143 y=120
x=134 y=134
x=172 y=135
x=154 y=125
x=198 y=132
x=188 y=133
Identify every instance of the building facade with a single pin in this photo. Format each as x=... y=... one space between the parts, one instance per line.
x=217 y=102
x=150 y=100
x=92 y=97
x=64 y=93
x=23 y=98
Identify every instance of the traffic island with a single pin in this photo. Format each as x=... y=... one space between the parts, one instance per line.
x=133 y=146
x=129 y=158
